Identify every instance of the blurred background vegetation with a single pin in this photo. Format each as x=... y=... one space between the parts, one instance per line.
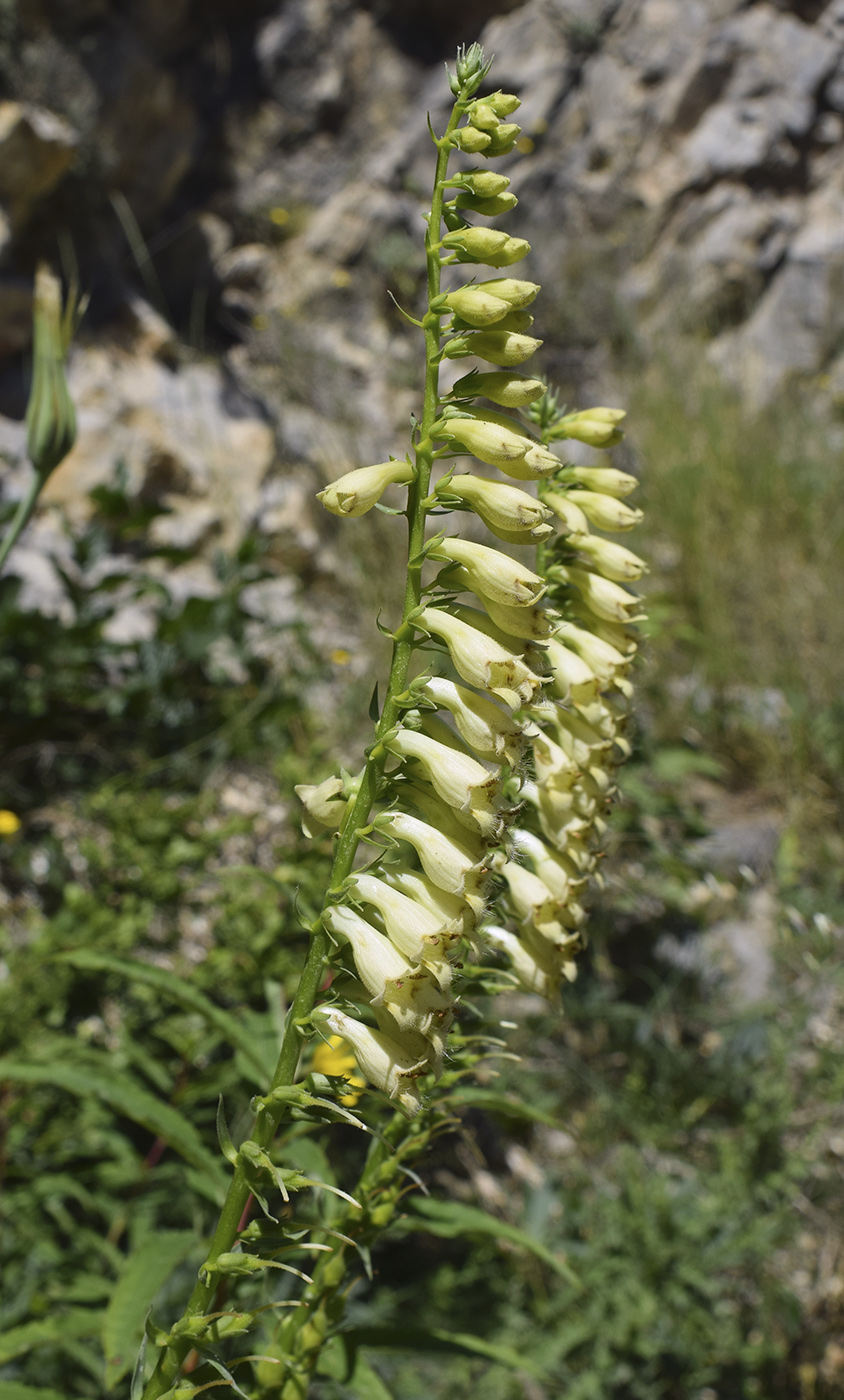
x=682 y=1160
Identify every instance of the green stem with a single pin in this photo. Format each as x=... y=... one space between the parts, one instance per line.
x=173 y=1355
x=20 y=519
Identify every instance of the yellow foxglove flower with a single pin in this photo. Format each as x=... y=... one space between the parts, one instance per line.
x=528 y=624
x=477 y=307
x=457 y=778
x=490 y=731
x=324 y=806
x=488 y=441
x=480 y=661
x=601 y=596
x=499 y=506
x=607 y=661
x=597 y=427
x=605 y=511
x=535 y=975
x=509 y=390
x=568 y=511
x=449 y=864
x=561 y=875
x=414 y=928
x=505 y=348
x=336 y=1056
x=606 y=479
x=357 y=492
x=411 y=994
x=494 y=574
x=573 y=677
x=454 y=913
x=610 y=559
x=381 y=1059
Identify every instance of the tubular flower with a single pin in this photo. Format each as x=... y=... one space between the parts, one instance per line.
x=384 y=1062
x=457 y=778
x=502 y=508
x=535 y=975
x=480 y=661
x=357 y=492
x=449 y=864
x=509 y=390
x=527 y=624
x=492 y=733
x=605 y=510
x=494 y=574
x=324 y=805
x=597 y=427
x=416 y=930
x=606 y=480
x=505 y=348
x=601 y=596
x=612 y=560
x=486 y=245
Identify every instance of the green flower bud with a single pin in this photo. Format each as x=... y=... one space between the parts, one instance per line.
x=497 y=445
x=489 y=208
x=486 y=245
x=504 y=348
x=513 y=290
x=480 y=114
x=470 y=65
x=503 y=104
x=50 y=415
x=485 y=184
x=605 y=511
x=509 y=390
x=502 y=140
x=518 y=321
x=476 y=306
x=471 y=140
x=494 y=574
x=357 y=492
x=606 y=480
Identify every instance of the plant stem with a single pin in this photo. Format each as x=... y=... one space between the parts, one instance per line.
x=173 y=1355
x=20 y=519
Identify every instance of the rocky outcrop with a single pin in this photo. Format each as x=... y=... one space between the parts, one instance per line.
x=256 y=174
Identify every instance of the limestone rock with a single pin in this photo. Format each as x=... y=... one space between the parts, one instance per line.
x=37 y=148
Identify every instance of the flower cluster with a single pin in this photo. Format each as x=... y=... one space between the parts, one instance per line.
x=497 y=764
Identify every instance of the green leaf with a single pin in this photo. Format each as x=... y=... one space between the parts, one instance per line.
x=451 y=1219
x=48 y=1331
x=179 y=991
x=15 y=1390
x=671 y=765
x=435 y=1339
x=146 y=1271
x=365 y=1382
x=126 y=1097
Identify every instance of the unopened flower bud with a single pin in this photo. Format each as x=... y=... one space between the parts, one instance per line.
x=488 y=208
x=483 y=183
x=480 y=114
x=509 y=390
x=605 y=511
x=610 y=559
x=503 y=104
x=608 y=480
x=494 y=574
x=356 y=492
x=597 y=427
x=458 y=779
x=476 y=306
x=514 y=290
x=480 y=661
x=381 y=1059
x=470 y=64
x=486 y=245
x=471 y=140
x=489 y=442
x=503 y=348
x=50 y=414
